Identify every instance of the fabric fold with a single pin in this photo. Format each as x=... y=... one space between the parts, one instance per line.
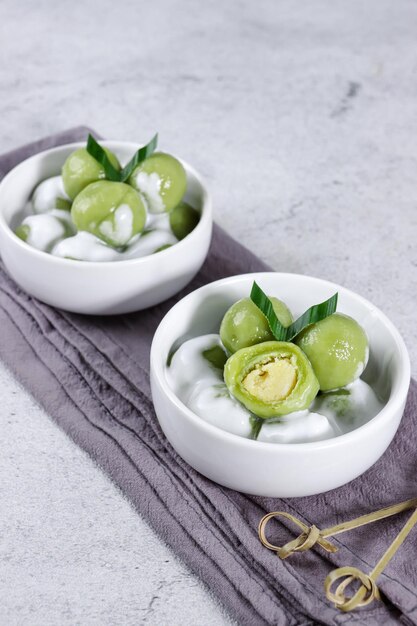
x=92 y=376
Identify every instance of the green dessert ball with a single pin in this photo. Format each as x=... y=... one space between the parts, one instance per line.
x=114 y=212
x=162 y=180
x=81 y=169
x=271 y=378
x=183 y=219
x=245 y=325
x=337 y=348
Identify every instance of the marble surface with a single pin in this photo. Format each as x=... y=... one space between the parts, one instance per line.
x=302 y=119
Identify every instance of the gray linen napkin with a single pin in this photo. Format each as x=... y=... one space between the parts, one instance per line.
x=91 y=375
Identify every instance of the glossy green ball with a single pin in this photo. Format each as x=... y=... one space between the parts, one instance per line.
x=81 y=169
x=271 y=378
x=162 y=180
x=244 y=324
x=337 y=348
x=183 y=219
x=114 y=212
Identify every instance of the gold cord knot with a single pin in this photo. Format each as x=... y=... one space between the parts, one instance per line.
x=366 y=593
x=306 y=540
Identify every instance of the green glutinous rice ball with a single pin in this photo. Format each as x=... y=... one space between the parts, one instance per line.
x=244 y=324
x=162 y=180
x=183 y=219
x=337 y=348
x=112 y=211
x=81 y=169
x=271 y=378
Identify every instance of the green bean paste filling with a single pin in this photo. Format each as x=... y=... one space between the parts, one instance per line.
x=272 y=379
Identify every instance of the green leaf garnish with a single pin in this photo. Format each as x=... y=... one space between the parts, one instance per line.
x=171 y=355
x=164 y=247
x=314 y=314
x=63 y=204
x=256 y=425
x=263 y=303
x=22 y=231
x=96 y=151
x=216 y=356
x=335 y=392
x=139 y=156
x=147 y=231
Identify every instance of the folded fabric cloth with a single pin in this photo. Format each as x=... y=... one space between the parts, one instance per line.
x=92 y=375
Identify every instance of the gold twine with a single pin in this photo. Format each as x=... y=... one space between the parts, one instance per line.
x=368 y=590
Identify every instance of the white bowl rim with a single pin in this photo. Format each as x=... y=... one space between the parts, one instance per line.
x=398 y=392
x=204 y=221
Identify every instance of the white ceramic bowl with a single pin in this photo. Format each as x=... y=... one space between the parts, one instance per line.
x=97 y=288
x=272 y=469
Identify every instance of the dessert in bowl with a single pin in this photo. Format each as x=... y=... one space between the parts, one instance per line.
x=272 y=417
x=84 y=239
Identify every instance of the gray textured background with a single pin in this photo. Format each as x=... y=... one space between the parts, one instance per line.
x=301 y=116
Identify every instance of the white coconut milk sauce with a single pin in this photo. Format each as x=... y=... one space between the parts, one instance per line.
x=200 y=386
x=44 y=230
x=47 y=193
x=86 y=247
